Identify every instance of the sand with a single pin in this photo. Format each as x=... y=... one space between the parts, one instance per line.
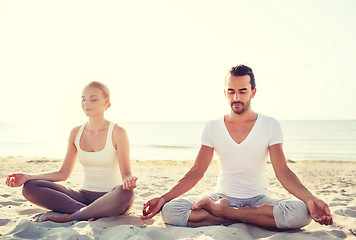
x=334 y=182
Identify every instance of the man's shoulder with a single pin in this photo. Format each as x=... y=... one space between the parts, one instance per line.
x=266 y=118
x=267 y=122
x=213 y=125
x=215 y=121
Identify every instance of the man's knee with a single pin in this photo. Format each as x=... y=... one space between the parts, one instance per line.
x=291 y=214
x=177 y=212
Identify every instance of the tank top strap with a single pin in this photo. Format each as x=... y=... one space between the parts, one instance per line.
x=79 y=135
x=109 y=135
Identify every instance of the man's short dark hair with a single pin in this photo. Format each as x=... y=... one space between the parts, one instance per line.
x=242 y=70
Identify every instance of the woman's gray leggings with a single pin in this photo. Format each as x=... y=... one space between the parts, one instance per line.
x=82 y=204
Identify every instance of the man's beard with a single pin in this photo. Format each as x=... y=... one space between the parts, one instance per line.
x=241 y=110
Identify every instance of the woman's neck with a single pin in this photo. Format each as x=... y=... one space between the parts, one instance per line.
x=97 y=123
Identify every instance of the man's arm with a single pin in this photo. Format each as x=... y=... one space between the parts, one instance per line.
x=318 y=209
x=190 y=179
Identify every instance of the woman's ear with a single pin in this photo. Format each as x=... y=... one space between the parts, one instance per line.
x=107 y=103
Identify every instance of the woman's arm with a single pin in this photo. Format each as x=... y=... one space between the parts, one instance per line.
x=122 y=145
x=17 y=180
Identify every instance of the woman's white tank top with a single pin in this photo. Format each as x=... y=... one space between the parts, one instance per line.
x=101 y=169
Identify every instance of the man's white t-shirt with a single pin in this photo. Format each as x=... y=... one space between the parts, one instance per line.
x=242 y=166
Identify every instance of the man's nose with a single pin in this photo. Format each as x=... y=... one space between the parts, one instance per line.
x=236 y=97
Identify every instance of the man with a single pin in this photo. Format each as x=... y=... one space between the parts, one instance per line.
x=242 y=139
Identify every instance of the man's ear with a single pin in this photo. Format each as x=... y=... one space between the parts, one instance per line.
x=253 y=92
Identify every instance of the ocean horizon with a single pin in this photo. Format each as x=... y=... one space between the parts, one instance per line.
x=324 y=140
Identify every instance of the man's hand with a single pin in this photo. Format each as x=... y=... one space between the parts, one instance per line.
x=319 y=211
x=152 y=207
x=16 y=180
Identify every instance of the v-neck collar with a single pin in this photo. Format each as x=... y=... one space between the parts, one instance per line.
x=248 y=135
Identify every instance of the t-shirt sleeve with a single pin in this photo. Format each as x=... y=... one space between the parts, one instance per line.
x=276 y=133
x=205 y=137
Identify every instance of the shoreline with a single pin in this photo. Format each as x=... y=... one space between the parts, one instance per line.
x=334 y=182
x=289 y=161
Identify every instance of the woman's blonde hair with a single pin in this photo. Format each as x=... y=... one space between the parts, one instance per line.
x=102 y=87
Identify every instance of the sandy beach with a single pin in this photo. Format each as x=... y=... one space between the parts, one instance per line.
x=334 y=182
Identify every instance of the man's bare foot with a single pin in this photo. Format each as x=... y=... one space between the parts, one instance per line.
x=58 y=219
x=217 y=209
x=224 y=203
x=205 y=203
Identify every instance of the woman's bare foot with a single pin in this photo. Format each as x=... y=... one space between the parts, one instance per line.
x=217 y=208
x=58 y=219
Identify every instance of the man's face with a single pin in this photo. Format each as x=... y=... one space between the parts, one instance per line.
x=239 y=93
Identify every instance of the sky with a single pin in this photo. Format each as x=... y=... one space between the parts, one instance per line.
x=167 y=60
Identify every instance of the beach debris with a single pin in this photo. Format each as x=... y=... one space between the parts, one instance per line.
x=353 y=231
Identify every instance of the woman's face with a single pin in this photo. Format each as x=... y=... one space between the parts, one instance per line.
x=93 y=101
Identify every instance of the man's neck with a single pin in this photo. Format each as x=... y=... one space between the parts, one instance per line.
x=246 y=116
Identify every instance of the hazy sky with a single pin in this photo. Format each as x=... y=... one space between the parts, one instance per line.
x=166 y=60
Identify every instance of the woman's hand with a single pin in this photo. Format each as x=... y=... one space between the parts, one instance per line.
x=16 y=180
x=130 y=183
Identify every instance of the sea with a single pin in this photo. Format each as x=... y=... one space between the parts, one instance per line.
x=179 y=141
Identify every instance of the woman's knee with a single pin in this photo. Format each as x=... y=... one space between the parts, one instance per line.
x=124 y=197
x=30 y=187
x=120 y=192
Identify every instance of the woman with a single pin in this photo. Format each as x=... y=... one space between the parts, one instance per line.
x=102 y=148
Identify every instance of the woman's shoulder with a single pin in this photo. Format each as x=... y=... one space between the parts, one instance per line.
x=74 y=131
x=118 y=129
x=119 y=133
